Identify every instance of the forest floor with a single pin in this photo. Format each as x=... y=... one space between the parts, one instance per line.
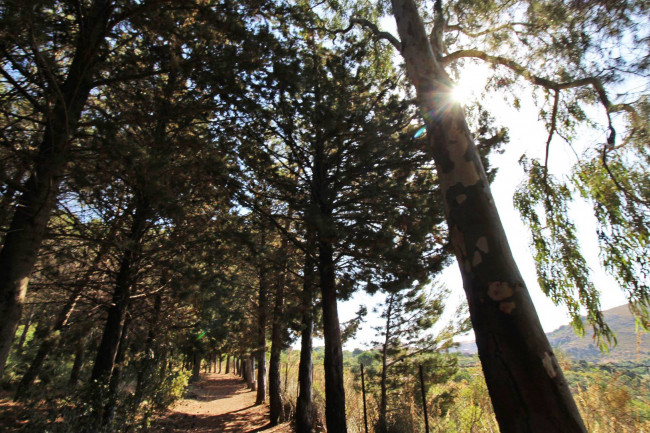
x=218 y=403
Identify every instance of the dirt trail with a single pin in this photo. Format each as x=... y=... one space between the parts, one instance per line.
x=218 y=403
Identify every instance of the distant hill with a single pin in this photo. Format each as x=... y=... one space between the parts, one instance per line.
x=565 y=340
x=622 y=323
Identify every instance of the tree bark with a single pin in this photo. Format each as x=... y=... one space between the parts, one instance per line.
x=261 y=336
x=35 y=204
x=114 y=383
x=305 y=402
x=334 y=390
x=527 y=387
x=383 y=403
x=275 y=382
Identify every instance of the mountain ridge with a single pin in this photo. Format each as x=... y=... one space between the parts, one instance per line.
x=630 y=346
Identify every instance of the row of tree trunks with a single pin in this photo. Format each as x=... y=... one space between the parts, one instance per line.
x=527 y=387
x=38 y=197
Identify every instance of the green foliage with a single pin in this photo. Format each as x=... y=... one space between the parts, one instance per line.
x=561 y=269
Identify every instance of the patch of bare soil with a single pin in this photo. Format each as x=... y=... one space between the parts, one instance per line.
x=218 y=403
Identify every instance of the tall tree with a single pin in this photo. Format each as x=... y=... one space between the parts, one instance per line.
x=327 y=143
x=526 y=384
x=58 y=92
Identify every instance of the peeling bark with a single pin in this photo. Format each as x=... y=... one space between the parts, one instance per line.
x=528 y=390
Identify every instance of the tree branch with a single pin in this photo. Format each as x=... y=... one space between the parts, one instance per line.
x=556 y=100
x=376 y=32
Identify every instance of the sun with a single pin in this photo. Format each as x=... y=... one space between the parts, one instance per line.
x=470 y=83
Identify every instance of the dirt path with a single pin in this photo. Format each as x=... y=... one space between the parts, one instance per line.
x=218 y=403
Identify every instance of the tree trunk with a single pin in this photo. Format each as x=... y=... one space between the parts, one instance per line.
x=28 y=324
x=527 y=387
x=250 y=371
x=304 y=405
x=196 y=366
x=50 y=342
x=261 y=336
x=220 y=359
x=334 y=390
x=227 y=364
x=383 y=403
x=34 y=206
x=275 y=383
x=114 y=383
x=105 y=358
x=148 y=362
x=79 y=358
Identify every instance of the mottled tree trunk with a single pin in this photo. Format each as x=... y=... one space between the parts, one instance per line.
x=304 y=404
x=528 y=390
x=35 y=204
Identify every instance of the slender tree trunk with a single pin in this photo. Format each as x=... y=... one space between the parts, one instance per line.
x=275 y=383
x=220 y=359
x=79 y=358
x=528 y=389
x=261 y=336
x=50 y=342
x=305 y=403
x=114 y=383
x=105 y=358
x=28 y=324
x=35 y=204
x=148 y=363
x=196 y=366
x=383 y=402
x=250 y=371
x=227 y=364
x=82 y=346
x=334 y=390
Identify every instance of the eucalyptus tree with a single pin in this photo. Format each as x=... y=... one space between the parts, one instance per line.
x=574 y=54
